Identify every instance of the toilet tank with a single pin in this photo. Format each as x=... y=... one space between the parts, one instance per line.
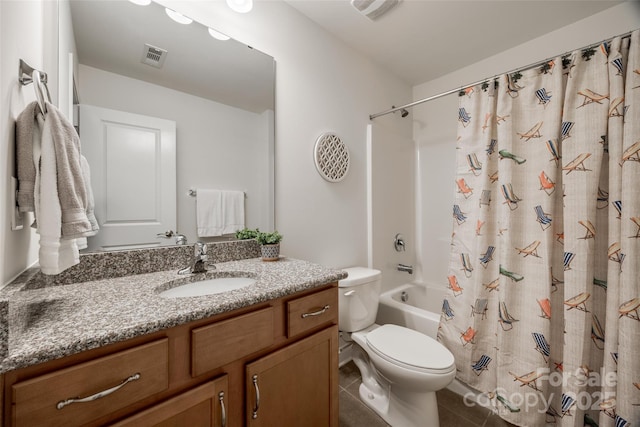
x=358 y=298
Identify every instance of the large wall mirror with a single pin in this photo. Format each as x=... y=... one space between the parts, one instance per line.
x=140 y=79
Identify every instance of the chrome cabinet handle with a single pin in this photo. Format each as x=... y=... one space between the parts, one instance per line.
x=257 y=406
x=316 y=313
x=223 y=415
x=98 y=395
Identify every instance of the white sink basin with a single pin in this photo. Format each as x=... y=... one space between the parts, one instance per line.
x=208 y=287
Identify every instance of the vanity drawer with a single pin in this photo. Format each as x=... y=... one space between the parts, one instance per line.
x=123 y=378
x=313 y=310
x=215 y=345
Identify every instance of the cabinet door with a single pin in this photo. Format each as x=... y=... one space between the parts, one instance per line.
x=202 y=406
x=296 y=386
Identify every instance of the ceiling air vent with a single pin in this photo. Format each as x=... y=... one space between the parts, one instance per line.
x=374 y=9
x=153 y=56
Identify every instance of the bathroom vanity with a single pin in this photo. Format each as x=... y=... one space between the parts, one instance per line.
x=261 y=356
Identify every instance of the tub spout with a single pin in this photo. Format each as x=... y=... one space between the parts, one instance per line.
x=407 y=268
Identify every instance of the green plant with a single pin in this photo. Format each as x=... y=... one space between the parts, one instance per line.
x=247 y=233
x=269 y=238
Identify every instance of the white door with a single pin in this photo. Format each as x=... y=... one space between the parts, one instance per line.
x=133 y=176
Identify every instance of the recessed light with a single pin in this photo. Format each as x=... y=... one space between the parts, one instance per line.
x=218 y=35
x=141 y=2
x=241 y=6
x=178 y=17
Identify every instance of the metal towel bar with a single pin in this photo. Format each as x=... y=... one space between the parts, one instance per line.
x=193 y=192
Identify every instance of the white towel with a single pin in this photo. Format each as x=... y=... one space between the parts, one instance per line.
x=219 y=212
x=55 y=254
x=72 y=188
x=86 y=171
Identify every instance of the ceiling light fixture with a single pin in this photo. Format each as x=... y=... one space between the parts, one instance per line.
x=141 y=2
x=240 y=6
x=374 y=9
x=218 y=35
x=178 y=17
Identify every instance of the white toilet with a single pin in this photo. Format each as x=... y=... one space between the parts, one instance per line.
x=401 y=368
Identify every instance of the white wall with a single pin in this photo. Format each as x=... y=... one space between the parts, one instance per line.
x=217 y=146
x=321 y=85
x=435 y=124
x=67 y=59
x=18 y=249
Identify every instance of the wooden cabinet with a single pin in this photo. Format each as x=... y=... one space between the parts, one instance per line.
x=202 y=406
x=197 y=374
x=292 y=387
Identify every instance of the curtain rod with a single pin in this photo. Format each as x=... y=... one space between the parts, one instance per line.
x=458 y=89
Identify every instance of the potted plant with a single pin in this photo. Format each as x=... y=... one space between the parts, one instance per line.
x=247 y=233
x=269 y=245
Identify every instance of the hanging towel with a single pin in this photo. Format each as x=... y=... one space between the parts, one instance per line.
x=72 y=188
x=26 y=170
x=55 y=254
x=86 y=173
x=219 y=212
x=82 y=241
x=233 y=211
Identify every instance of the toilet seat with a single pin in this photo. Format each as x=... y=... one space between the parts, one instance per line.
x=410 y=349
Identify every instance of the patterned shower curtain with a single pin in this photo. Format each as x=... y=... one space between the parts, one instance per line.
x=543 y=309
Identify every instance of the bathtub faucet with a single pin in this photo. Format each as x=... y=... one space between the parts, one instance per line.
x=407 y=268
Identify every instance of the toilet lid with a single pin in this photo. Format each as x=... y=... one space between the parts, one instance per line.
x=410 y=347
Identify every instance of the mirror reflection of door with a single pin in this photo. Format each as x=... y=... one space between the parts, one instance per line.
x=133 y=176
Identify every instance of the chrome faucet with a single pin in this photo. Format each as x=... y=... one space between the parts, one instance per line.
x=199 y=260
x=181 y=239
x=407 y=268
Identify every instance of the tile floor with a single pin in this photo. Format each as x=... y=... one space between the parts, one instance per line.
x=451 y=408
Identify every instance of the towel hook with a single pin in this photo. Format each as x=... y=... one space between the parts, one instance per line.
x=27 y=75
x=38 y=90
x=25 y=71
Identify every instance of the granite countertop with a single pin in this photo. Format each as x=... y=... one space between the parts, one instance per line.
x=55 y=321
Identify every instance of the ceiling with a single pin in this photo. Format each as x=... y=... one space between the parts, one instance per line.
x=230 y=72
x=420 y=40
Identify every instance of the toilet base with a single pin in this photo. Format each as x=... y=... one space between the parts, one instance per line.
x=402 y=409
x=399 y=406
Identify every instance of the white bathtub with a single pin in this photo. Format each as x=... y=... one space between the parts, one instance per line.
x=418 y=307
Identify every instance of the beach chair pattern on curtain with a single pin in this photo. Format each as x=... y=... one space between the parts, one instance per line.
x=547 y=151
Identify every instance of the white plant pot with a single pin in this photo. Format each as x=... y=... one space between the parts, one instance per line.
x=270 y=252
